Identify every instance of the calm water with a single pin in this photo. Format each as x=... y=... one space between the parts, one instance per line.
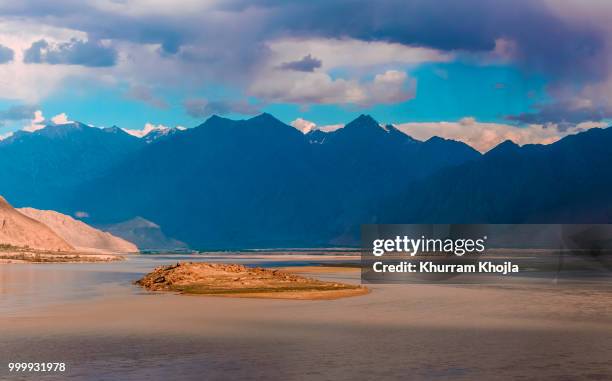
x=410 y=331
x=27 y=286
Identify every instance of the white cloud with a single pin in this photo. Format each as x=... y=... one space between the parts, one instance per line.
x=309 y=88
x=330 y=127
x=61 y=119
x=36 y=123
x=305 y=126
x=148 y=127
x=27 y=82
x=484 y=136
x=358 y=60
x=391 y=86
x=137 y=64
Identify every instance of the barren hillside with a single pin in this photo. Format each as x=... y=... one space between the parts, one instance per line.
x=20 y=230
x=80 y=235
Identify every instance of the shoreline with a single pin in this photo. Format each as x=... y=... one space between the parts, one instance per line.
x=30 y=256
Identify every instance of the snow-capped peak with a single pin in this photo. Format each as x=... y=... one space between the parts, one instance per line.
x=152 y=132
x=148 y=128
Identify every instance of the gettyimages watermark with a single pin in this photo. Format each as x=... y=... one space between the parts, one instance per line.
x=479 y=253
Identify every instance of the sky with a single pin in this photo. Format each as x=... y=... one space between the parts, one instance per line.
x=480 y=71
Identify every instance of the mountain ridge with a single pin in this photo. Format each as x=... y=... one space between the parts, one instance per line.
x=20 y=230
x=259 y=182
x=78 y=234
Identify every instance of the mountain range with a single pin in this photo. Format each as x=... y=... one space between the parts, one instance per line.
x=261 y=183
x=565 y=182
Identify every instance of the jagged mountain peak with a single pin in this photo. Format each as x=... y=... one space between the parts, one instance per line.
x=507 y=146
x=267 y=120
x=362 y=121
x=264 y=116
x=214 y=118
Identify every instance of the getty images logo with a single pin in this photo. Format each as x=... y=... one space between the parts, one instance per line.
x=422 y=245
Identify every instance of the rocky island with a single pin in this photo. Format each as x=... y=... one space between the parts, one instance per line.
x=241 y=281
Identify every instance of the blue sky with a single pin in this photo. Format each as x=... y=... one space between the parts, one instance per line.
x=447 y=91
x=531 y=71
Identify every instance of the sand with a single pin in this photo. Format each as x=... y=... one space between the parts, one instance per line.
x=233 y=280
x=523 y=331
x=22 y=255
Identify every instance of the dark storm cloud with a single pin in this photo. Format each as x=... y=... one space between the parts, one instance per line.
x=73 y=52
x=306 y=64
x=6 y=54
x=443 y=24
x=567 y=52
x=202 y=108
x=544 y=42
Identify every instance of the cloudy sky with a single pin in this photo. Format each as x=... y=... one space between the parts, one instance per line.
x=477 y=70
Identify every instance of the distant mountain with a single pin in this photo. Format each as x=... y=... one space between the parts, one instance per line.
x=78 y=234
x=145 y=234
x=19 y=230
x=152 y=133
x=261 y=183
x=40 y=168
x=197 y=184
x=565 y=182
x=363 y=164
x=379 y=157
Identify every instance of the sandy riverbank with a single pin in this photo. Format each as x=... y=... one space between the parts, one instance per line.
x=41 y=256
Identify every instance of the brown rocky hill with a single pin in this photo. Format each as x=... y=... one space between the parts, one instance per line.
x=78 y=234
x=20 y=230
